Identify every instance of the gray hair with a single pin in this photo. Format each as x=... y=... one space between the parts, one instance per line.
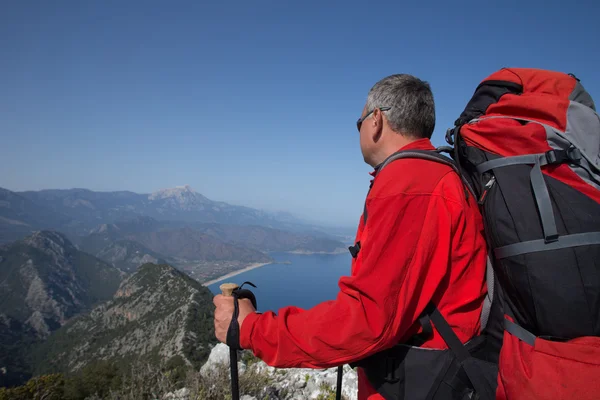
x=412 y=110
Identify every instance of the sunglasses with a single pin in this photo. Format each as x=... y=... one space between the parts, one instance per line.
x=360 y=120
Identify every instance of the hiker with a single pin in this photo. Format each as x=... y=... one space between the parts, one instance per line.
x=419 y=256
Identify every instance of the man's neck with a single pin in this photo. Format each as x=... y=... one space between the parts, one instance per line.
x=393 y=146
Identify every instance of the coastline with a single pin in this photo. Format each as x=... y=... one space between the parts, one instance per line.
x=306 y=252
x=258 y=265
x=234 y=273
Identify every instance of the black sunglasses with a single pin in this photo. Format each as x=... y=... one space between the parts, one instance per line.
x=360 y=120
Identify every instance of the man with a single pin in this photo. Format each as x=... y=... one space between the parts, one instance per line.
x=422 y=242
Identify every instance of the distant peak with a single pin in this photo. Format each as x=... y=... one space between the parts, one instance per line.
x=170 y=192
x=182 y=196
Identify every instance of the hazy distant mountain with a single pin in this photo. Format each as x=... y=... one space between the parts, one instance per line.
x=190 y=244
x=270 y=240
x=106 y=240
x=76 y=212
x=44 y=281
x=157 y=313
x=128 y=255
x=20 y=216
x=166 y=239
x=177 y=235
x=181 y=203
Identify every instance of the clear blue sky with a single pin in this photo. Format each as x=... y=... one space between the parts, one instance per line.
x=249 y=102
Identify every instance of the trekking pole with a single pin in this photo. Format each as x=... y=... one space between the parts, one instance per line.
x=338 y=391
x=227 y=290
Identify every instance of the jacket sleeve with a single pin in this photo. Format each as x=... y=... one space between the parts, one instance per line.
x=405 y=250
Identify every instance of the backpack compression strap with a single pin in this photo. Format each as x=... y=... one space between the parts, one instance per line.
x=551 y=240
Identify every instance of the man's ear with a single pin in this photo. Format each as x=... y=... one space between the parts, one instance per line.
x=377 y=121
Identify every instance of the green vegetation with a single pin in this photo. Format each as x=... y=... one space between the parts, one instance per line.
x=104 y=380
x=248 y=358
x=328 y=393
x=15 y=341
x=47 y=387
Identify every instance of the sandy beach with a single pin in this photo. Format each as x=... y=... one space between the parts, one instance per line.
x=234 y=273
x=307 y=253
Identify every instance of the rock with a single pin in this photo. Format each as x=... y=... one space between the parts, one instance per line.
x=246 y=397
x=300 y=384
x=297 y=383
x=218 y=355
x=181 y=394
x=241 y=368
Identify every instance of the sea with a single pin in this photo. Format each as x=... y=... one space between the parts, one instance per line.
x=306 y=281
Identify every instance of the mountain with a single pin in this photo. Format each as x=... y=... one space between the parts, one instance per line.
x=270 y=240
x=106 y=234
x=87 y=205
x=45 y=281
x=89 y=208
x=158 y=313
x=254 y=237
x=20 y=216
x=163 y=239
x=189 y=244
x=128 y=255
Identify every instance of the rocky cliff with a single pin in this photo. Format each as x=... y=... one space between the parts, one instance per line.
x=44 y=281
x=158 y=313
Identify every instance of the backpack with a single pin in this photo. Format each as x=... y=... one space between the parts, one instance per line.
x=528 y=144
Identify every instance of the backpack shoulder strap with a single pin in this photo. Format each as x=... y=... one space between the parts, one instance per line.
x=431 y=155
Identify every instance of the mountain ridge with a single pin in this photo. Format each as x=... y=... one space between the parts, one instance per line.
x=157 y=312
x=44 y=282
x=178 y=203
x=77 y=211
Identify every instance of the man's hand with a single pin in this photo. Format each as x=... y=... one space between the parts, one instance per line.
x=224 y=312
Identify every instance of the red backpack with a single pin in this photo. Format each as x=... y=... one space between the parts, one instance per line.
x=528 y=142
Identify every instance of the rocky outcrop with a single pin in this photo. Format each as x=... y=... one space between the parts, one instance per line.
x=284 y=384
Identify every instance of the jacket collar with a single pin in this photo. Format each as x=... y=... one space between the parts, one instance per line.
x=419 y=144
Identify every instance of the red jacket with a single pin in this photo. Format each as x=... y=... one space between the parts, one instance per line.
x=423 y=240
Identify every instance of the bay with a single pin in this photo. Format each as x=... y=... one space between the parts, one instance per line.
x=309 y=280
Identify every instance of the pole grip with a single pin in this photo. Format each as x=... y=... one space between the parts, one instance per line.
x=228 y=288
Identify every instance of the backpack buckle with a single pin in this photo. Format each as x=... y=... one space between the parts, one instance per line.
x=450 y=134
x=555 y=156
x=574 y=154
x=561 y=156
